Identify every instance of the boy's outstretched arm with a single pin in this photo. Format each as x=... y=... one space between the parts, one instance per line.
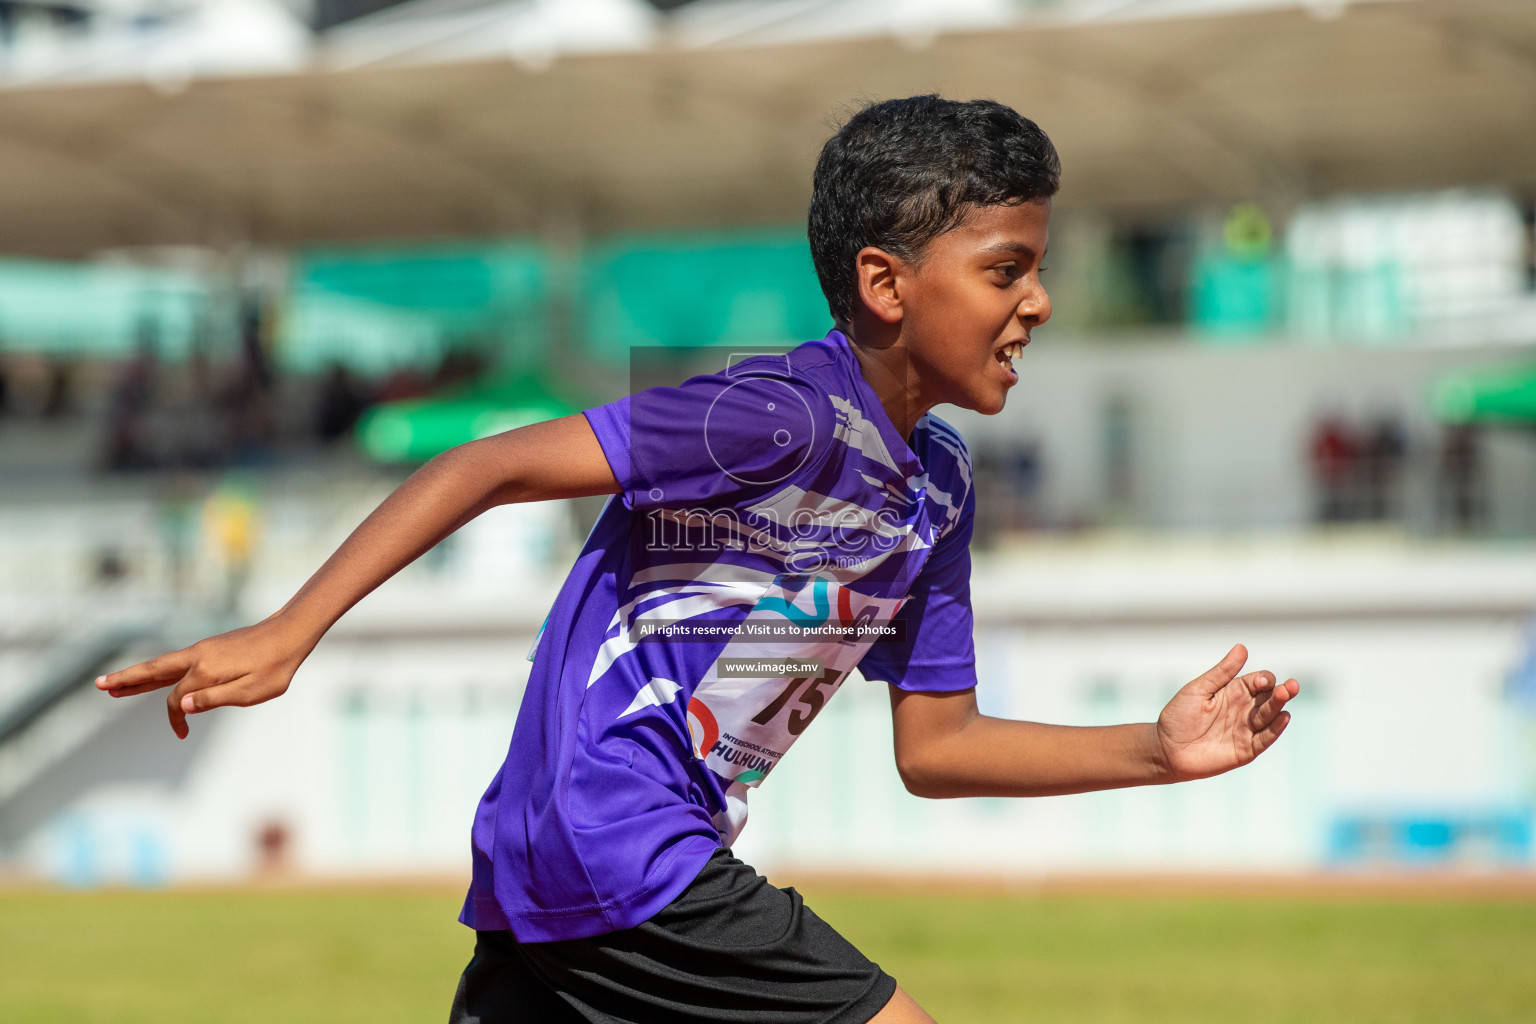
x=557 y=459
x=946 y=748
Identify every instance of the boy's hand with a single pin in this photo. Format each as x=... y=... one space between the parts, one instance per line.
x=1222 y=720
x=242 y=667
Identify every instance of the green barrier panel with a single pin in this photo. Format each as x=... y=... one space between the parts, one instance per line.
x=1492 y=396
x=377 y=308
x=702 y=289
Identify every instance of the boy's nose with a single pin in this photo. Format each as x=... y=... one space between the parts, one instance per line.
x=1035 y=308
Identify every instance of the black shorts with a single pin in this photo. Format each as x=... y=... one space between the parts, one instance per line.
x=732 y=948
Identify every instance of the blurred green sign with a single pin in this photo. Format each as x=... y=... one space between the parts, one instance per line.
x=1489 y=396
x=417 y=429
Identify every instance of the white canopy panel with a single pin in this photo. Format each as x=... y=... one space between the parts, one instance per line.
x=1274 y=104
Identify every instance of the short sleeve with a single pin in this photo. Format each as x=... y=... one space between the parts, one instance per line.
x=715 y=441
x=937 y=652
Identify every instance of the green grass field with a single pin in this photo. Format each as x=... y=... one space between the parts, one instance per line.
x=377 y=956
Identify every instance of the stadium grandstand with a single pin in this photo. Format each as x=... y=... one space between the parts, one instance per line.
x=260 y=258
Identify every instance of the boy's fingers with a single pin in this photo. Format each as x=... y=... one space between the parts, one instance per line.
x=223 y=695
x=1266 y=737
x=176 y=715
x=177 y=705
x=159 y=671
x=1223 y=671
x=195 y=694
x=1265 y=710
x=131 y=691
x=1259 y=682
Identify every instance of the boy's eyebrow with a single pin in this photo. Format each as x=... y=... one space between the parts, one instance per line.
x=1010 y=249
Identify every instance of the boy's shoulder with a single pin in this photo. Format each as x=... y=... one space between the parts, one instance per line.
x=819 y=362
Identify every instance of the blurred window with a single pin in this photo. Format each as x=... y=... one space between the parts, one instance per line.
x=1392 y=266
x=96 y=309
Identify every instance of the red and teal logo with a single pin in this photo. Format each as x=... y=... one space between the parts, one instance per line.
x=702 y=727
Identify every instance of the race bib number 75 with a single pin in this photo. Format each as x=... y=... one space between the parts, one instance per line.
x=764 y=690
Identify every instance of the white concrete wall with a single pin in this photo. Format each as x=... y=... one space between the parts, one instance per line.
x=1220 y=436
x=375 y=759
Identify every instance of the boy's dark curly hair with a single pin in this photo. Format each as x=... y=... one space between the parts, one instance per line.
x=902 y=172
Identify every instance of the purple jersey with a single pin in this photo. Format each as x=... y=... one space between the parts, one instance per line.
x=774 y=532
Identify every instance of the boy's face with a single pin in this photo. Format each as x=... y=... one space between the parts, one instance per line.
x=970 y=303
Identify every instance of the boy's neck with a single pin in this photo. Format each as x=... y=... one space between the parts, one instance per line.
x=889 y=373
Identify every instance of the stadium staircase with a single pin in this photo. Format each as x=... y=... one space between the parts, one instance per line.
x=59 y=735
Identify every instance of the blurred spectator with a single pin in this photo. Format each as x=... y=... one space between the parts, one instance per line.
x=1007 y=478
x=341 y=401
x=111 y=567
x=232 y=520
x=274 y=841
x=1334 y=455
x=127 y=441
x=1382 y=453
x=60 y=396
x=177 y=509
x=1461 y=491
x=1022 y=475
x=27 y=383
x=203 y=431
x=459 y=366
x=249 y=396
x=401 y=384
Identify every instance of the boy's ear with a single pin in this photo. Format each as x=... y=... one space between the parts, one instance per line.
x=878 y=274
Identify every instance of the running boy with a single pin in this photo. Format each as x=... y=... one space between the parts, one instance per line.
x=773 y=526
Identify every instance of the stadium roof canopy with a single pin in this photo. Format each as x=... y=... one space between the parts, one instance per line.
x=1277 y=102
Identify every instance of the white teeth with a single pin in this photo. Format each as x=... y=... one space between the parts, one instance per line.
x=1013 y=351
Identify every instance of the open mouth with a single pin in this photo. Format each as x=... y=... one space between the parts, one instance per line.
x=1008 y=353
